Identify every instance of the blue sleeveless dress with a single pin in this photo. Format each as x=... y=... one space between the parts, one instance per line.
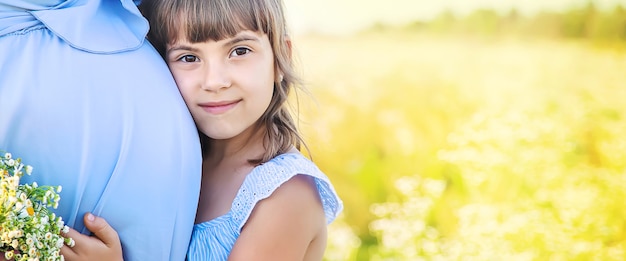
x=213 y=240
x=93 y=107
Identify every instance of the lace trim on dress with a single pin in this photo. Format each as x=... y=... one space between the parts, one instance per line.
x=266 y=178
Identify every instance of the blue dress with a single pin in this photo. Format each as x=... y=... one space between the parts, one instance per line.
x=93 y=107
x=214 y=239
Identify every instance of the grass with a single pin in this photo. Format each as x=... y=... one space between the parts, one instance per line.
x=525 y=136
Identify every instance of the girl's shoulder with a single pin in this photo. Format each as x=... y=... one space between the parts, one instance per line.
x=264 y=179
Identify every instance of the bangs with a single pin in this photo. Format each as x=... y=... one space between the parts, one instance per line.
x=201 y=20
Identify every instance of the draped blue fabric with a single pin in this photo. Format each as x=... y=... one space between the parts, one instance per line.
x=92 y=107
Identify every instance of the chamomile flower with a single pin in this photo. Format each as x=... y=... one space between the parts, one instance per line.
x=29 y=230
x=9 y=255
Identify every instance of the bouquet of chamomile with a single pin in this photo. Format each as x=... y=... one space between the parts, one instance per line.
x=29 y=230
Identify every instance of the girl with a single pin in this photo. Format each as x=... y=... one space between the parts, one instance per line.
x=260 y=198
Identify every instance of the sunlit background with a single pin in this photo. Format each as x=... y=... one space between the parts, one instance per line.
x=468 y=130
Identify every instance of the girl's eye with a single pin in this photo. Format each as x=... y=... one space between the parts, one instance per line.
x=188 y=58
x=239 y=51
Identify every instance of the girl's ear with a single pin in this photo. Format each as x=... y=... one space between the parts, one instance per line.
x=278 y=76
x=288 y=44
x=279 y=73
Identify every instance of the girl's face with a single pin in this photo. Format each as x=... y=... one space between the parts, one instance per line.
x=227 y=84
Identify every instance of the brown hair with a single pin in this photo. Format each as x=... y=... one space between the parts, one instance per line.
x=204 y=20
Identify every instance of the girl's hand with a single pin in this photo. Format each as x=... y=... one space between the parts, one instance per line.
x=105 y=245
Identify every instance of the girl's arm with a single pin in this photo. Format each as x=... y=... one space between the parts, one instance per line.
x=105 y=245
x=288 y=225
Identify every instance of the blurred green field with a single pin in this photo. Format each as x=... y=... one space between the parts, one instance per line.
x=469 y=148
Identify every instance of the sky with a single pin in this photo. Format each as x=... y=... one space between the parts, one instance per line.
x=345 y=16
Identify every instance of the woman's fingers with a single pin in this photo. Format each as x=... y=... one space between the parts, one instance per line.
x=104 y=245
x=102 y=230
x=67 y=251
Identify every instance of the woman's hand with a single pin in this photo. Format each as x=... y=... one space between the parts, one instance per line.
x=105 y=245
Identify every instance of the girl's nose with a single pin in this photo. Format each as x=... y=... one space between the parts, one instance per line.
x=216 y=78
